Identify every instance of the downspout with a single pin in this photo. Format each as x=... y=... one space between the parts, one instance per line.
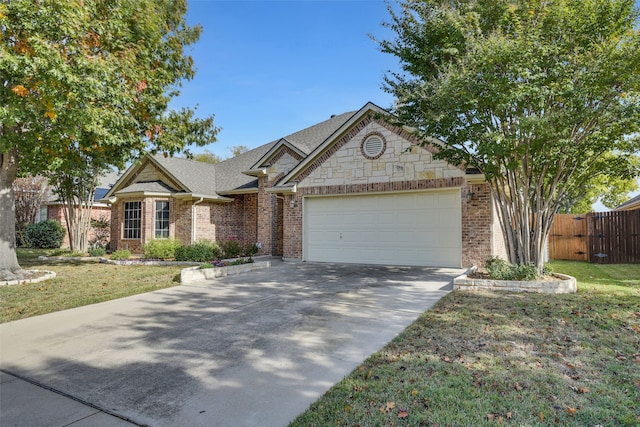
x=194 y=226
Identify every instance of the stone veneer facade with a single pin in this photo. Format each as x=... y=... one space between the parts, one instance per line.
x=402 y=167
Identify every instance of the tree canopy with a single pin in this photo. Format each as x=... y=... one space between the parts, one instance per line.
x=90 y=81
x=539 y=96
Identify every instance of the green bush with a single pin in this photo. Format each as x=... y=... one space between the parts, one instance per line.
x=250 y=249
x=97 y=252
x=160 y=249
x=47 y=234
x=200 y=251
x=206 y=265
x=500 y=269
x=121 y=254
x=231 y=248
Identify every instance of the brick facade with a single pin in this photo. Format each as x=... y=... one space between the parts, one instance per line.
x=98 y=212
x=214 y=221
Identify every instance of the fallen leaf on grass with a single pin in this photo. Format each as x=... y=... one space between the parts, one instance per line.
x=389 y=406
x=414 y=392
x=508 y=415
x=518 y=387
x=403 y=414
x=541 y=416
x=571 y=410
x=580 y=390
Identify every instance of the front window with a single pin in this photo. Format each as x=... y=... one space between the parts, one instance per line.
x=132 y=218
x=162 y=219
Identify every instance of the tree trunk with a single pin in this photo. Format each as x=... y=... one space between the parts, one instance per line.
x=77 y=203
x=9 y=267
x=525 y=219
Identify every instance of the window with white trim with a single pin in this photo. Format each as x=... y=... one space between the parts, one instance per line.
x=162 y=219
x=132 y=220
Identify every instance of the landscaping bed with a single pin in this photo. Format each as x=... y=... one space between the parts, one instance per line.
x=194 y=274
x=552 y=284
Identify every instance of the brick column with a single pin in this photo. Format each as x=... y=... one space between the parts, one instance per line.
x=267 y=219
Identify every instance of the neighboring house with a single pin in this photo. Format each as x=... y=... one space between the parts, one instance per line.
x=630 y=205
x=352 y=189
x=53 y=209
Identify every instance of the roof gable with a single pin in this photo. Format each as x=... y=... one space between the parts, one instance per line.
x=320 y=150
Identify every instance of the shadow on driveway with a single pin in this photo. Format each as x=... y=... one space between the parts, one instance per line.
x=246 y=350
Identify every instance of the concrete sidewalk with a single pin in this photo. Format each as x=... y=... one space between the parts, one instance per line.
x=249 y=350
x=23 y=404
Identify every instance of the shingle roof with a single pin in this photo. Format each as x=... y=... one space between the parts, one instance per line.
x=308 y=139
x=149 y=186
x=229 y=173
x=197 y=177
x=628 y=203
x=209 y=179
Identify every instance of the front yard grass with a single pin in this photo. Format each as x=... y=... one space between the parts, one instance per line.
x=486 y=359
x=78 y=284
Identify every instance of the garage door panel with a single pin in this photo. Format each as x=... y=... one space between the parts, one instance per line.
x=402 y=229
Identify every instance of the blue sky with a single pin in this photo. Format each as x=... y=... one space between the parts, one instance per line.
x=266 y=69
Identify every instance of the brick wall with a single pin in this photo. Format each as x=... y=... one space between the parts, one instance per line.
x=267 y=218
x=97 y=212
x=477 y=227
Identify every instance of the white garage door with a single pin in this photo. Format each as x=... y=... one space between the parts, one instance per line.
x=422 y=229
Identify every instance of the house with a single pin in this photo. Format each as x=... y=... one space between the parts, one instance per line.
x=352 y=189
x=630 y=204
x=53 y=208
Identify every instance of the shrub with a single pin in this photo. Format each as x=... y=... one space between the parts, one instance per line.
x=231 y=248
x=500 y=269
x=47 y=234
x=102 y=231
x=250 y=249
x=160 y=248
x=97 y=252
x=200 y=251
x=206 y=265
x=121 y=254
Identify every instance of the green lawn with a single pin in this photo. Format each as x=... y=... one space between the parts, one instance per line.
x=484 y=359
x=79 y=284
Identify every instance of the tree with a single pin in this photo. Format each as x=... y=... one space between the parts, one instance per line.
x=89 y=79
x=236 y=150
x=207 y=157
x=30 y=194
x=538 y=96
x=610 y=190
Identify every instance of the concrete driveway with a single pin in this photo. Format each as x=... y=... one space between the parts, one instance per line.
x=248 y=350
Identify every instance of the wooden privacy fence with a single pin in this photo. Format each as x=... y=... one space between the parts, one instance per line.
x=604 y=238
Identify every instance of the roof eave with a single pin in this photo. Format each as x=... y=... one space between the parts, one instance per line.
x=204 y=197
x=256 y=172
x=239 y=191
x=284 y=189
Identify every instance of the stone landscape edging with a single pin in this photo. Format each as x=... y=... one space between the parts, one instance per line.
x=194 y=274
x=564 y=285
x=48 y=275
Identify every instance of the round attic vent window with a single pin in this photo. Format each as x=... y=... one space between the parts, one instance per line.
x=373 y=146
